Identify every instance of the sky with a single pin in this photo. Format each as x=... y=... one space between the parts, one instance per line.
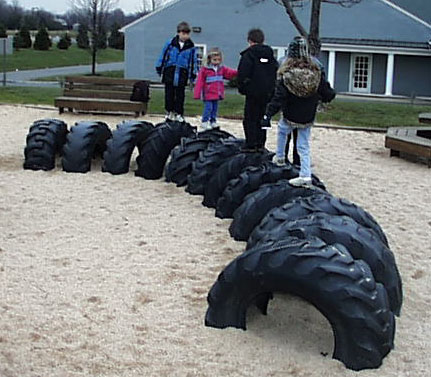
x=62 y=6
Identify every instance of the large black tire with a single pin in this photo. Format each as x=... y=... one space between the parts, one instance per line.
x=85 y=141
x=302 y=207
x=45 y=140
x=362 y=243
x=228 y=170
x=341 y=288
x=209 y=160
x=250 y=180
x=119 y=149
x=182 y=156
x=158 y=145
x=257 y=204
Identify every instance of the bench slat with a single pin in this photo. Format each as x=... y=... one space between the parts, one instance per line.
x=98 y=94
x=101 y=80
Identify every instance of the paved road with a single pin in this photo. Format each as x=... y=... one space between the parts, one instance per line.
x=23 y=78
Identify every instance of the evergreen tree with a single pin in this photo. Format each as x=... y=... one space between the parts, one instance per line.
x=82 y=38
x=3 y=33
x=42 y=41
x=101 y=40
x=23 y=39
x=63 y=44
x=116 y=39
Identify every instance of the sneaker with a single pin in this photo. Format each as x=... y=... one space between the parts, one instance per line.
x=179 y=118
x=214 y=125
x=300 y=181
x=205 y=126
x=280 y=161
x=170 y=116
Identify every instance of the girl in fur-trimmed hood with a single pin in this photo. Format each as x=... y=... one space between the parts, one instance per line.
x=300 y=87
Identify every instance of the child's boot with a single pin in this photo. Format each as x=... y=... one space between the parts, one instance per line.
x=300 y=181
x=280 y=161
x=179 y=118
x=205 y=126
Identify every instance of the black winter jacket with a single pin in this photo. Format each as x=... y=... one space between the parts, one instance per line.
x=257 y=71
x=300 y=106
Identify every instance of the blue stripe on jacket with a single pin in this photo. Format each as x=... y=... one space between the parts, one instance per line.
x=210 y=79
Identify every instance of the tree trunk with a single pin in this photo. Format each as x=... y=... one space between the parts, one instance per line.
x=314 y=35
x=95 y=41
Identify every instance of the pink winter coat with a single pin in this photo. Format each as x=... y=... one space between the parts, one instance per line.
x=209 y=85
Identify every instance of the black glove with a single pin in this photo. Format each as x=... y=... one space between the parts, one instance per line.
x=159 y=70
x=265 y=123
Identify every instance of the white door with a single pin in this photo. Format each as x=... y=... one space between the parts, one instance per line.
x=360 y=73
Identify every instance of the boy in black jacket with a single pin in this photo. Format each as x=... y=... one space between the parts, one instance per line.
x=256 y=80
x=297 y=93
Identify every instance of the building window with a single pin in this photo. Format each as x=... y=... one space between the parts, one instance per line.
x=201 y=51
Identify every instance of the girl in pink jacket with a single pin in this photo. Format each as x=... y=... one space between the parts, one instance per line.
x=210 y=86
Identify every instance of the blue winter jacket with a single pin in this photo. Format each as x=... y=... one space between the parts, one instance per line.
x=177 y=65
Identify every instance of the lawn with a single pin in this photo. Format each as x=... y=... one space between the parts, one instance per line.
x=345 y=113
x=34 y=59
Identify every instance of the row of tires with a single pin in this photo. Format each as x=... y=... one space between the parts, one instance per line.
x=300 y=240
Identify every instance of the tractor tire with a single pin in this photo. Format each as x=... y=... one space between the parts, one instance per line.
x=228 y=170
x=209 y=160
x=341 y=288
x=158 y=145
x=302 y=207
x=183 y=155
x=257 y=204
x=362 y=243
x=44 y=141
x=85 y=141
x=249 y=180
x=128 y=135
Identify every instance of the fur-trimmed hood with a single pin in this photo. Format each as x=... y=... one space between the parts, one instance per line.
x=300 y=76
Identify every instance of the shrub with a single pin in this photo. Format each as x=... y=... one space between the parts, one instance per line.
x=42 y=41
x=116 y=39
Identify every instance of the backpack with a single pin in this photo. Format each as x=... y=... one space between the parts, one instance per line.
x=140 y=92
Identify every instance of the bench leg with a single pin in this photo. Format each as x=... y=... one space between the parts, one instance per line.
x=394 y=153
x=71 y=109
x=61 y=110
x=136 y=114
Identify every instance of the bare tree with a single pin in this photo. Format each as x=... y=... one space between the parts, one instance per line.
x=94 y=14
x=148 y=6
x=313 y=35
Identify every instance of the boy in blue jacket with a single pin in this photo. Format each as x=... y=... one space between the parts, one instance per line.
x=177 y=65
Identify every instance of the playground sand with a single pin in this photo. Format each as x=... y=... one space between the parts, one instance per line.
x=104 y=275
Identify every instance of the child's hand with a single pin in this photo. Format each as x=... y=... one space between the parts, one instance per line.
x=265 y=123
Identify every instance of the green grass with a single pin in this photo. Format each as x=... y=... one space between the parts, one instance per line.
x=33 y=59
x=371 y=114
x=345 y=113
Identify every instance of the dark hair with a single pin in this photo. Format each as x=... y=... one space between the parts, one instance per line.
x=183 y=26
x=256 y=36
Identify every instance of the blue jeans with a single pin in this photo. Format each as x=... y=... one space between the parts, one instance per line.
x=210 y=111
x=303 y=144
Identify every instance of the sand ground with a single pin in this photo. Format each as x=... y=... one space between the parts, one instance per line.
x=105 y=275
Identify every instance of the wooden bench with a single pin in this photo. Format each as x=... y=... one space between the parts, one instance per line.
x=425 y=118
x=99 y=94
x=415 y=141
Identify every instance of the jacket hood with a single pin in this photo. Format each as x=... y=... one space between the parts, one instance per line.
x=300 y=76
x=260 y=51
